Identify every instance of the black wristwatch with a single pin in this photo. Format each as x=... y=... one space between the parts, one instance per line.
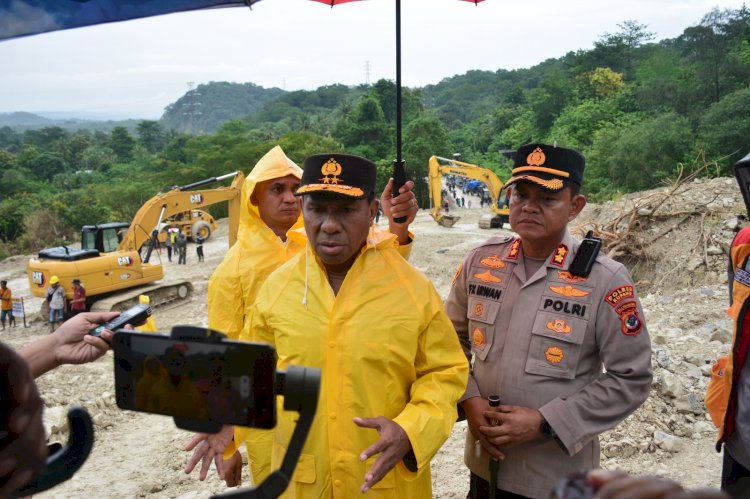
x=546 y=430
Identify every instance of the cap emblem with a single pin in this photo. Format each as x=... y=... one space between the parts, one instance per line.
x=331 y=169
x=536 y=157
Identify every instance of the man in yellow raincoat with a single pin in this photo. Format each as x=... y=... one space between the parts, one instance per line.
x=392 y=367
x=270 y=234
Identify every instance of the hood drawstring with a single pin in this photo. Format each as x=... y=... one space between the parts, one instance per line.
x=307 y=271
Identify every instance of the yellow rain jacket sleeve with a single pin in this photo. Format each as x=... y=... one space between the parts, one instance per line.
x=385 y=347
x=236 y=281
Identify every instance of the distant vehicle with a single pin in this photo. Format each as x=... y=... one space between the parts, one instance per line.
x=191 y=222
x=488 y=184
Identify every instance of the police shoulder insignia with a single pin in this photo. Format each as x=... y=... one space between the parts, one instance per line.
x=630 y=322
x=493 y=262
x=477 y=337
x=458 y=273
x=620 y=293
x=488 y=276
x=568 y=290
x=554 y=355
x=559 y=326
x=568 y=277
x=558 y=257
x=513 y=251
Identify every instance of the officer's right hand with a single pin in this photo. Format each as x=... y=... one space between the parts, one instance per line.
x=474 y=409
x=233 y=470
x=209 y=447
x=22 y=440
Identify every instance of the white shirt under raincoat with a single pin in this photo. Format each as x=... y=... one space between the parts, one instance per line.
x=385 y=347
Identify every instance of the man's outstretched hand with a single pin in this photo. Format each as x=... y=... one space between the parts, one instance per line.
x=392 y=447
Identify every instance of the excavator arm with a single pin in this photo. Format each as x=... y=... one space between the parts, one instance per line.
x=181 y=199
x=442 y=166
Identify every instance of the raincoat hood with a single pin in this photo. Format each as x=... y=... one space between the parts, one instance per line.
x=274 y=164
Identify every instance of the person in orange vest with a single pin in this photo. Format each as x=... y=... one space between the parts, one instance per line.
x=728 y=393
x=6 y=309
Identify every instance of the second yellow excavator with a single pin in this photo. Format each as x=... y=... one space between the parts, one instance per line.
x=117 y=256
x=442 y=166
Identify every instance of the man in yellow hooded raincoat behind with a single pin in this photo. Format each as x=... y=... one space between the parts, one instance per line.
x=391 y=366
x=269 y=234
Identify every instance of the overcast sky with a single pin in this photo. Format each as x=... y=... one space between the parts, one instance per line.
x=136 y=68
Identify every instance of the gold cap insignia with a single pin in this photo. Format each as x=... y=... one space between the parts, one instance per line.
x=536 y=157
x=331 y=169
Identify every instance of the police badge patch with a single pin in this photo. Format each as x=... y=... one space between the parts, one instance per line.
x=631 y=324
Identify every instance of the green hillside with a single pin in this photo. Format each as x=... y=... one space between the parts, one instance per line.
x=640 y=111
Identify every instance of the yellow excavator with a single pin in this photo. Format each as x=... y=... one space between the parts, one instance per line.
x=442 y=166
x=116 y=256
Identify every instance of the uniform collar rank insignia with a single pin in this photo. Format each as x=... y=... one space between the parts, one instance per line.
x=558 y=257
x=331 y=170
x=513 y=251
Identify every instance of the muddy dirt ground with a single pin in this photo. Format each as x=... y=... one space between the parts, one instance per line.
x=682 y=287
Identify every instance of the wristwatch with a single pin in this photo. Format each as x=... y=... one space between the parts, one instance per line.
x=546 y=430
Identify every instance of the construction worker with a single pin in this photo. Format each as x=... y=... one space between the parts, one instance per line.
x=6 y=304
x=392 y=367
x=540 y=333
x=267 y=237
x=56 y=298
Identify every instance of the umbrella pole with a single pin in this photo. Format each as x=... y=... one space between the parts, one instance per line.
x=399 y=171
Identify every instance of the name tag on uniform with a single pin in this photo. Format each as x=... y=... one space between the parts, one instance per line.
x=742 y=276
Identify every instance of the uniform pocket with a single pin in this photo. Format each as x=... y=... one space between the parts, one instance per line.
x=482 y=315
x=387 y=482
x=304 y=472
x=555 y=345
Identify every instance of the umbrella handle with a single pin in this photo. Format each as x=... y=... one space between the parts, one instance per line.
x=399 y=179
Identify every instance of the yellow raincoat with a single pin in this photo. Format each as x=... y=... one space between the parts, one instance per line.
x=385 y=347
x=235 y=283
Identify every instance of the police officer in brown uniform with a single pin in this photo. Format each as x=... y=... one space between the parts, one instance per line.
x=540 y=337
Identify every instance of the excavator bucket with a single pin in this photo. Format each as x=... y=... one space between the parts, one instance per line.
x=448 y=220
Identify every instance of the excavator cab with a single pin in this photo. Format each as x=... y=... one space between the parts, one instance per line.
x=104 y=238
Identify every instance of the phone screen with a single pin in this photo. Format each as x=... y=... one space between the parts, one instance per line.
x=230 y=382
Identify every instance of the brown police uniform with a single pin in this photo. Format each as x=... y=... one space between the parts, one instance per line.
x=542 y=343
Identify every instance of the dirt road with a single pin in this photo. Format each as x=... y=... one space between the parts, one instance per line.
x=138 y=455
